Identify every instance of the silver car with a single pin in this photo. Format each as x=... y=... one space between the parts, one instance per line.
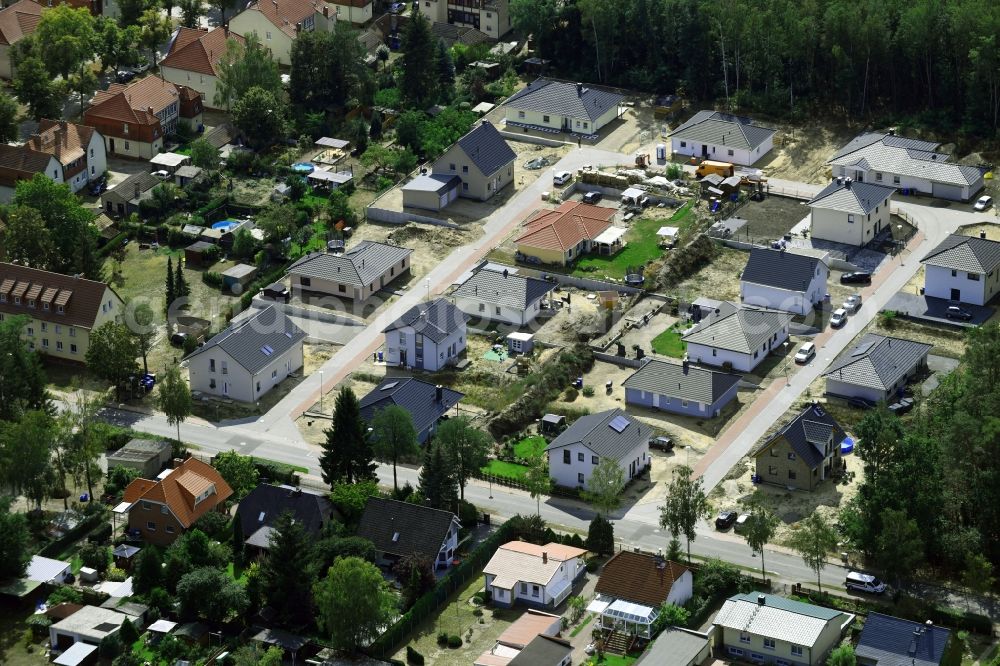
x=852 y=304
x=839 y=318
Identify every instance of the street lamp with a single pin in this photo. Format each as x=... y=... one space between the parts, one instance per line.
x=785 y=345
x=688 y=454
x=320 y=391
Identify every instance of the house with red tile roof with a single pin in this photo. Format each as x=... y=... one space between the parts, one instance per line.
x=161 y=510
x=278 y=22
x=79 y=149
x=135 y=118
x=561 y=235
x=194 y=57
x=17 y=163
x=16 y=22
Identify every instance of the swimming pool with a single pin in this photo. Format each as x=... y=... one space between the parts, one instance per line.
x=303 y=167
x=225 y=225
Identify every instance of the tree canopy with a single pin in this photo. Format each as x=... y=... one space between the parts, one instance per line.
x=353 y=603
x=685 y=504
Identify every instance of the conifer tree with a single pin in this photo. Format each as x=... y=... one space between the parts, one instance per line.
x=171 y=293
x=181 y=287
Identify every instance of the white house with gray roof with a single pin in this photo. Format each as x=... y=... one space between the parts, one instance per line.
x=848 y=212
x=502 y=296
x=428 y=336
x=613 y=434
x=783 y=280
x=736 y=337
x=354 y=275
x=681 y=388
x=876 y=368
x=558 y=106
x=249 y=358
x=963 y=269
x=906 y=164
x=713 y=135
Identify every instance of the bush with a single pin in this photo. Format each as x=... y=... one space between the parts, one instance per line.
x=117 y=575
x=101 y=534
x=212 y=279
x=65 y=593
x=571 y=394
x=39 y=625
x=413 y=657
x=442 y=638
x=588 y=391
x=478 y=612
x=468 y=514
x=454 y=642
x=593 y=564
x=95 y=557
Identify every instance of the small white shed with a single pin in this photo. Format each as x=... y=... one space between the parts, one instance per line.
x=520 y=343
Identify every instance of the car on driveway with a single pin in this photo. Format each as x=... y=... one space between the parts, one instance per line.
x=397 y=7
x=561 y=177
x=662 y=443
x=124 y=75
x=96 y=187
x=805 y=353
x=162 y=174
x=852 y=304
x=955 y=312
x=983 y=202
x=741 y=523
x=592 y=197
x=857 y=277
x=838 y=318
x=178 y=339
x=725 y=520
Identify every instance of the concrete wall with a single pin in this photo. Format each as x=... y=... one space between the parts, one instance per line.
x=434 y=355
x=233 y=381
x=852 y=229
x=678 y=406
x=403 y=217
x=939 y=282
x=583 y=461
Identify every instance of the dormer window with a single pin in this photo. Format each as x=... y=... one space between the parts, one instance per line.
x=45 y=306
x=60 y=309
x=395 y=537
x=17 y=300
x=260 y=518
x=3 y=298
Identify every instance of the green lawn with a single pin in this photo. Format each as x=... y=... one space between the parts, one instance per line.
x=642 y=245
x=316 y=242
x=530 y=447
x=682 y=212
x=612 y=660
x=236 y=573
x=507 y=469
x=669 y=343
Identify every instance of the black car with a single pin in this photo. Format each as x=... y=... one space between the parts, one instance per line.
x=178 y=339
x=592 y=197
x=725 y=520
x=662 y=443
x=955 y=312
x=124 y=75
x=858 y=277
x=98 y=186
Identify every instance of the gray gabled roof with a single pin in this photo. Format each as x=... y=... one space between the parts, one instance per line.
x=265 y=504
x=965 y=253
x=595 y=431
x=892 y=641
x=679 y=381
x=674 y=646
x=780 y=269
x=542 y=651
x=741 y=329
x=723 y=129
x=852 y=197
x=877 y=361
x=402 y=528
x=417 y=397
x=564 y=99
x=360 y=266
x=808 y=434
x=486 y=148
x=436 y=320
x=510 y=290
x=248 y=341
x=898 y=155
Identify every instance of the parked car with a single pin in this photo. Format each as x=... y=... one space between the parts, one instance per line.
x=805 y=352
x=955 y=312
x=857 y=277
x=838 y=318
x=178 y=339
x=590 y=649
x=662 y=443
x=592 y=197
x=98 y=186
x=860 y=403
x=864 y=583
x=561 y=177
x=162 y=174
x=725 y=520
x=124 y=75
x=397 y=7
x=852 y=304
x=983 y=202
x=741 y=522
x=901 y=406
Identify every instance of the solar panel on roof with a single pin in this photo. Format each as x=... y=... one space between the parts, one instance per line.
x=863 y=348
x=619 y=423
x=389 y=386
x=266 y=351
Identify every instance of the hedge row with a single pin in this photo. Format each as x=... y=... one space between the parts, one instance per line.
x=57 y=546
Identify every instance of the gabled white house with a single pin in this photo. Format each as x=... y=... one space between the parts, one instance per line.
x=736 y=337
x=634 y=586
x=963 y=269
x=249 y=358
x=722 y=137
x=783 y=280
x=399 y=529
x=849 y=212
x=502 y=296
x=613 y=434
x=428 y=336
x=539 y=576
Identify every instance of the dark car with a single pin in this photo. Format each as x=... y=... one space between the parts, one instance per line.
x=124 y=75
x=98 y=186
x=955 y=312
x=662 y=443
x=178 y=339
x=860 y=403
x=397 y=7
x=725 y=520
x=592 y=197
x=901 y=406
x=858 y=277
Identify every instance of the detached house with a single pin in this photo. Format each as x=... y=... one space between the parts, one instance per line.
x=259 y=510
x=736 y=337
x=502 y=296
x=722 y=137
x=63 y=310
x=565 y=234
x=783 y=280
x=17 y=21
x=536 y=576
x=489 y=16
x=891 y=641
x=160 y=511
x=850 y=213
x=358 y=12
x=425 y=402
x=681 y=388
x=428 y=336
x=135 y=118
x=78 y=149
x=399 y=529
x=123 y=199
x=768 y=629
x=804 y=453
x=249 y=358
x=278 y=22
x=632 y=588
x=963 y=269
x=354 y=275
x=194 y=57
x=876 y=368
x=17 y=163
x=552 y=106
x=613 y=434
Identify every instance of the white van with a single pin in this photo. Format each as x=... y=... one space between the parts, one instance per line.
x=864 y=583
x=561 y=177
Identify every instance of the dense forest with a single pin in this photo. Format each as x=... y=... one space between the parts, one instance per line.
x=932 y=63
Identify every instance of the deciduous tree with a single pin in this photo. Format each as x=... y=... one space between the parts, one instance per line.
x=210 y=594
x=685 y=504
x=813 y=541
x=69 y=224
x=762 y=523
x=394 y=437
x=604 y=489
x=174 y=398
x=246 y=66
x=67 y=37
x=26 y=454
x=111 y=353
x=15 y=539
x=36 y=89
x=238 y=471
x=22 y=378
x=466 y=446
x=260 y=115
x=353 y=603
x=8 y=118
x=144 y=329
x=204 y=155
x=842 y=655
x=538 y=481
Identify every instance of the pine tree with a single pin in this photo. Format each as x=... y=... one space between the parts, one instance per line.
x=444 y=67
x=238 y=540
x=180 y=284
x=347 y=453
x=285 y=573
x=170 y=292
x=437 y=479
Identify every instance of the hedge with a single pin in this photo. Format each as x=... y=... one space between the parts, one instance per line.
x=57 y=546
x=116 y=241
x=275 y=471
x=212 y=279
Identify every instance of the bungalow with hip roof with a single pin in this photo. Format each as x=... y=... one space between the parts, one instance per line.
x=425 y=402
x=502 y=296
x=612 y=434
x=803 y=453
x=783 y=280
x=562 y=235
x=963 y=269
x=194 y=58
x=632 y=588
x=681 y=388
x=768 y=629
x=850 y=213
x=557 y=106
x=906 y=164
x=78 y=149
x=877 y=368
x=399 y=529
x=428 y=336
x=536 y=576
x=736 y=337
x=354 y=275
x=17 y=21
x=278 y=22
x=17 y=163
x=722 y=137
x=892 y=641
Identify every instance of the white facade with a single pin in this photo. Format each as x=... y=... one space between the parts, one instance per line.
x=941 y=190
x=742 y=362
x=96 y=160
x=850 y=228
x=682 y=590
x=415 y=350
x=279 y=42
x=476 y=308
x=551 y=594
x=571 y=466
x=348 y=11
x=798 y=302
x=848 y=390
x=720 y=153
x=560 y=122
x=956 y=285
x=493 y=18
x=215 y=372
x=203 y=83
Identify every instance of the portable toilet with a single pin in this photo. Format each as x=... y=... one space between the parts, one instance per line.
x=661 y=152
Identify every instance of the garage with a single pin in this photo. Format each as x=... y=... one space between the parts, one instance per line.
x=431 y=191
x=948 y=191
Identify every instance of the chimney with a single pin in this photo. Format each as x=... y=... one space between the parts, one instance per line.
x=545 y=557
x=298 y=28
x=178 y=462
x=579 y=90
x=505 y=273
x=982 y=234
x=761 y=599
x=326 y=11
x=137 y=191
x=848 y=183
x=439 y=393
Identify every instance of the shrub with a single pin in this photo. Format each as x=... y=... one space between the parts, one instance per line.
x=212 y=279
x=478 y=612
x=593 y=564
x=468 y=514
x=454 y=641
x=95 y=557
x=442 y=638
x=413 y=657
x=117 y=575
x=65 y=593
x=571 y=394
x=588 y=391
x=39 y=625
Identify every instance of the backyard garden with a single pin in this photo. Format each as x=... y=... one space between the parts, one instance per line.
x=669 y=343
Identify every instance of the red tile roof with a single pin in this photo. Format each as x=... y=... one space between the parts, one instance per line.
x=284 y=14
x=18 y=21
x=566 y=226
x=65 y=141
x=179 y=489
x=132 y=102
x=200 y=51
x=81 y=299
x=638 y=578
